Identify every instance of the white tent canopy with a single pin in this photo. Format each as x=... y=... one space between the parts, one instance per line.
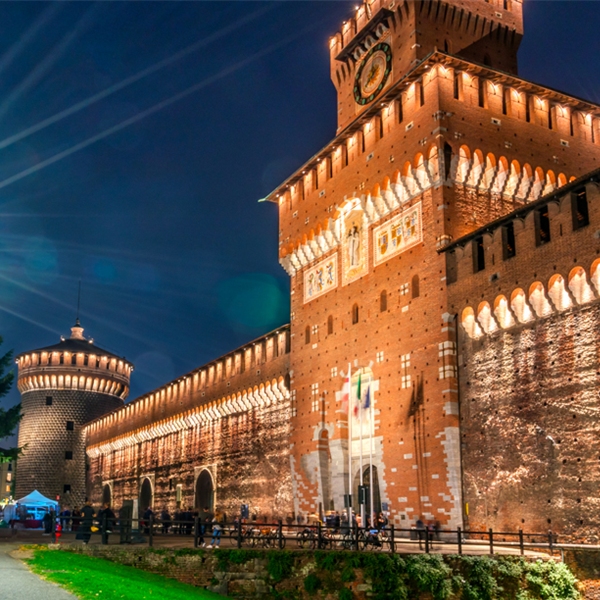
x=37 y=499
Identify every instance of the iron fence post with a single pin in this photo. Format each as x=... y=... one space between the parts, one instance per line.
x=280 y=534
x=103 y=534
x=550 y=542
x=150 y=531
x=521 y=546
x=196 y=531
x=53 y=525
x=239 y=534
x=491 y=536
x=459 y=537
x=392 y=537
x=426 y=541
x=355 y=536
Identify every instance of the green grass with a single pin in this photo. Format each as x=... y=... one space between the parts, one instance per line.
x=93 y=578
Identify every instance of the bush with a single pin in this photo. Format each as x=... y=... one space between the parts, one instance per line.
x=345 y=594
x=312 y=583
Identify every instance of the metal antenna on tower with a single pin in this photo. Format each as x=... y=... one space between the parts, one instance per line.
x=78 y=303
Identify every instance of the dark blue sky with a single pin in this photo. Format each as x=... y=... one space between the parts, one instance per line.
x=160 y=219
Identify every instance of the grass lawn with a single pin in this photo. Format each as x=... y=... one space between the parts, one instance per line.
x=93 y=578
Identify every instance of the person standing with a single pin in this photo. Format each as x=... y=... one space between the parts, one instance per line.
x=87 y=520
x=147 y=516
x=65 y=518
x=165 y=518
x=217 y=524
x=106 y=517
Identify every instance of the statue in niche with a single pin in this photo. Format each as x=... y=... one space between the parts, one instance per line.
x=354 y=245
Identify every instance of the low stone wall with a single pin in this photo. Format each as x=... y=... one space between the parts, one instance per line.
x=303 y=575
x=585 y=564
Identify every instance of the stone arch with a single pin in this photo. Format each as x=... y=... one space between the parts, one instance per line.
x=204 y=490
x=490 y=170
x=595 y=273
x=486 y=318
x=526 y=182
x=502 y=312
x=519 y=306
x=538 y=184
x=366 y=481
x=464 y=164
x=538 y=300
x=146 y=494
x=579 y=286
x=550 y=183
x=470 y=324
x=421 y=171
x=477 y=168
x=501 y=176
x=408 y=179
x=558 y=293
x=561 y=179
x=514 y=177
x=433 y=164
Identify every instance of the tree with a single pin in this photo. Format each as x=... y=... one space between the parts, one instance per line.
x=9 y=418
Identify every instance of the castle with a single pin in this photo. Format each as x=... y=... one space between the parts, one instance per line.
x=440 y=359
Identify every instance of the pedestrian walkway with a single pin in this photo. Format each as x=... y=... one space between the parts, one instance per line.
x=19 y=583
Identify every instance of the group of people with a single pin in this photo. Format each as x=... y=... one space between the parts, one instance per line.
x=183 y=523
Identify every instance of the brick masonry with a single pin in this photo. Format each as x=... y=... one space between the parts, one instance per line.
x=453 y=141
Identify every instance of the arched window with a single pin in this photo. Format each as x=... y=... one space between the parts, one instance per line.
x=355 y=314
x=383 y=301
x=329 y=324
x=307 y=335
x=415 y=286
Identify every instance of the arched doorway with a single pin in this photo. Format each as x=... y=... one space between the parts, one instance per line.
x=205 y=491
x=376 y=494
x=145 y=495
x=107 y=495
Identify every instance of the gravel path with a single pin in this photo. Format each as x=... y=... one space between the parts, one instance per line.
x=17 y=582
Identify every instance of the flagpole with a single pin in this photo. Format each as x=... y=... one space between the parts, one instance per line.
x=371 y=433
x=360 y=479
x=349 y=448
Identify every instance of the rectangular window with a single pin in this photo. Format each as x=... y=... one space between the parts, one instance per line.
x=66 y=488
x=68 y=455
x=478 y=255
x=505 y=93
x=399 y=109
x=542 y=226
x=48 y=400
x=508 y=241
x=482 y=92
x=457 y=85
x=70 y=425
x=404 y=366
x=527 y=108
x=421 y=92
x=579 y=209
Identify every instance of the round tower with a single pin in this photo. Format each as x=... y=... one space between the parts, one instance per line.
x=63 y=387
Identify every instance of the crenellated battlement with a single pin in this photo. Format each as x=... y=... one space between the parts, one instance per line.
x=224 y=386
x=405 y=32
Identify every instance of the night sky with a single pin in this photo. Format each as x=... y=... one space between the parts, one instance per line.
x=148 y=195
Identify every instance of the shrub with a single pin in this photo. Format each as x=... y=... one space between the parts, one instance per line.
x=312 y=583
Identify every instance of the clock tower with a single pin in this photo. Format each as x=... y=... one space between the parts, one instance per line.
x=386 y=39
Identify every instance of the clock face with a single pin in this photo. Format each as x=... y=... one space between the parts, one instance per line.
x=373 y=73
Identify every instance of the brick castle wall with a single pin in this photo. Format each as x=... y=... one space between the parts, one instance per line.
x=528 y=371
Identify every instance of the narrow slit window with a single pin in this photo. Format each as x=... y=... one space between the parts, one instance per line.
x=307 y=335
x=542 y=226
x=508 y=241
x=355 y=314
x=383 y=301
x=478 y=255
